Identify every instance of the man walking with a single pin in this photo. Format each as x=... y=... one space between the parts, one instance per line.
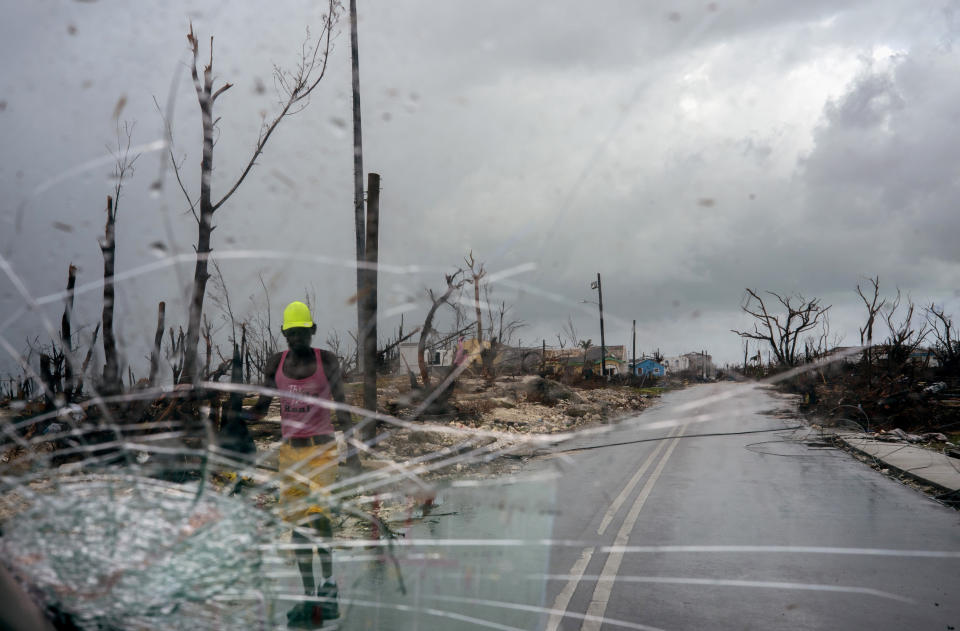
x=308 y=456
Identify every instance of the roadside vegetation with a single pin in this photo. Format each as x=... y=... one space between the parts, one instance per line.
x=904 y=374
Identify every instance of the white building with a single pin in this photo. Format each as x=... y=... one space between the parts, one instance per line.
x=434 y=357
x=676 y=364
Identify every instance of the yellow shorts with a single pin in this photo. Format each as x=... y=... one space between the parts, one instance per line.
x=305 y=475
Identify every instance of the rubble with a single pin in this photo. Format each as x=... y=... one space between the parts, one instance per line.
x=500 y=416
x=549 y=392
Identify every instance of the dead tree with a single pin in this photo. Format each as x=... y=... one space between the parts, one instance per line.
x=500 y=331
x=295 y=88
x=207 y=333
x=477 y=272
x=903 y=339
x=66 y=345
x=111 y=364
x=874 y=306
x=262 y=341
x=220 y=296
x=569 y=332
x=782 y=331
x=947 y=346
x=175 y=353
x=111 y=382
x=86 y=360
x=435 y=302
x=157 y=340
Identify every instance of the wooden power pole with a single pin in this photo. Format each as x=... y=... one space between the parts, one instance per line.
x=368 y=302
x=603 y=342
x=358 y=212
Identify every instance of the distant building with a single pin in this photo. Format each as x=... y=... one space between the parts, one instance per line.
x=575 y=360
x=694 y=364
x=615 y=360
x=433 y=356
x=676 y=364
x=649 y=367
x=700 y=365
x=924 y=357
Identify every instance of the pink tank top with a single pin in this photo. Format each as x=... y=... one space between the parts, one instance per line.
x=300 y=419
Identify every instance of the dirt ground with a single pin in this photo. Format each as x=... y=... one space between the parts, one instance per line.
x=497 y=415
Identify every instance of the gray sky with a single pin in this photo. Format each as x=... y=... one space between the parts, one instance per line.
x=684 y=150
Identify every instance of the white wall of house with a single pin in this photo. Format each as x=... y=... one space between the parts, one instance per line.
x=677 y=363
x=436 y=357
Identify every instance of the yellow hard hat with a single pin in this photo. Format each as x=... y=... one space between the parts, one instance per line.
x=296 y=315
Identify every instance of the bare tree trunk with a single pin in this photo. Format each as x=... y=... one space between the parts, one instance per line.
x=208 y=343
x=46 y=377
x=86 y=360
x=476 y=301
x=244 y=353
x=297 y=86
x=176 y=354
x=111 y=366
x=866 y=333
x=157 y=339
x=428 y=323
x=476 y=273
x=205 y=224
x=66 y=345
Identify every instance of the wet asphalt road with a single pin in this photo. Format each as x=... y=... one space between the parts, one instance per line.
x=738 y=531
x=749 y=531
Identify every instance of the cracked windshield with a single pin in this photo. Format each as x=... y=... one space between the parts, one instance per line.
x=360 y=315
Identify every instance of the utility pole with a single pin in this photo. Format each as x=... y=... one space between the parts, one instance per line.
x=634 y=369
x=368 y=302
x=358 y=212
x=603 y=343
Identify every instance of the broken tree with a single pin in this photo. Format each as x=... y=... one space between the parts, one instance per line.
x=295 y=87
x=435 y=302
x=782 y=331
x=111 y=382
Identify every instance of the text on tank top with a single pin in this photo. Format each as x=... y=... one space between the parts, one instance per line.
x=298 y=418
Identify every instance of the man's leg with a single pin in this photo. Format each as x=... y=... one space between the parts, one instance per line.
x=321 y=524
x=327 y=592
x=305 y=562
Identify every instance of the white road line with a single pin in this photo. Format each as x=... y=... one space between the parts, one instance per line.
x=601 y=593
x=563 y=598
x=628 y=489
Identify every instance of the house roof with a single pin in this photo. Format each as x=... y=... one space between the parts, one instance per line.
x=613 y=352
x=648 y=361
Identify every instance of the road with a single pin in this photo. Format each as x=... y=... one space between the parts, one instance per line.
x=756 y=528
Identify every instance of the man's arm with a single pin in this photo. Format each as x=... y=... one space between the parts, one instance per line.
x=262 y=406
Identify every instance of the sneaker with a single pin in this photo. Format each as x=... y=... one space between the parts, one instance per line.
x=302 y=616
x=329 y=595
